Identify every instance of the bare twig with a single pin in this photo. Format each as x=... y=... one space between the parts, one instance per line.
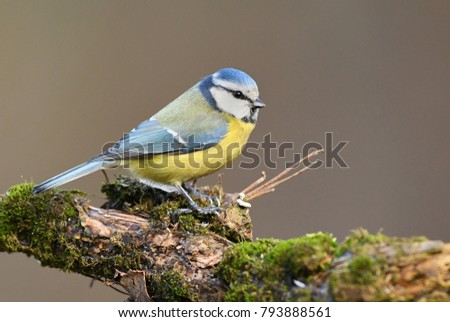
x=254 y=184
x=253 y=190
x=220 y=181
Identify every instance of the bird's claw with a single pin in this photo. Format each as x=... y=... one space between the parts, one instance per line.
x=214 y=199
x=210 y=210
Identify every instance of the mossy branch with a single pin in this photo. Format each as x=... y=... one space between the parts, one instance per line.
x=138 y=246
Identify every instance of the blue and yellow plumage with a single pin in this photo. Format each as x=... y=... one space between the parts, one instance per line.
x=195 y=135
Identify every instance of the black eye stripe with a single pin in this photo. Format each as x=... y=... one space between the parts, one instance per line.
x=237 y=94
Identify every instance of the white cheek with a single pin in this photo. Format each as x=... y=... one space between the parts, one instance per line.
x=227 y=103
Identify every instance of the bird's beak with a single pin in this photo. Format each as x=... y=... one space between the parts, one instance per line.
x=258 y=103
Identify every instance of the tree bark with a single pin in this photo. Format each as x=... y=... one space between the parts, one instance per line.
x=156 y=256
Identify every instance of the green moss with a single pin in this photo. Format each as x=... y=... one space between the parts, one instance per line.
x=33 y=223
x=47 y=226
x=243 y=269
x=361 y=278
x=244 y=257
x=363 y=270
x=169 y=286
x=305 y=256
x=359 y=240
x=266 y=270
x=131 y=195
x=189 y=224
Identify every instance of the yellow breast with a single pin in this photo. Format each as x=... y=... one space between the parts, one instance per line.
x=177 y=168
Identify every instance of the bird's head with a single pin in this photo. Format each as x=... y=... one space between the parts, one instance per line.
x=234 y=92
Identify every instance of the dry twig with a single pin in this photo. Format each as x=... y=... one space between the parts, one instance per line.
x=255 y=190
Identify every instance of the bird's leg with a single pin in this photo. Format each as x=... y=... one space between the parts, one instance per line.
x=194 y=192
x=194 y=206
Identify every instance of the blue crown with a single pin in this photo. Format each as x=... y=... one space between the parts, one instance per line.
x=236 y=76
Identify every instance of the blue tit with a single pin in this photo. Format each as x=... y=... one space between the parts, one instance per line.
x=195 y=135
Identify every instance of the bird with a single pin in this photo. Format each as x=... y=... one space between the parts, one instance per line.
x=198 y=133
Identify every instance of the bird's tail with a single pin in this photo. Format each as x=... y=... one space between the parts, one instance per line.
x=70 y=175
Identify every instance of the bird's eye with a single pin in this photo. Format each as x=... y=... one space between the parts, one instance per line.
x=238 y=95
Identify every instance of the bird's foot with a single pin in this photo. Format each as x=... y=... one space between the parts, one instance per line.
x=208 y=211
x=214 y=201
x=202 y=212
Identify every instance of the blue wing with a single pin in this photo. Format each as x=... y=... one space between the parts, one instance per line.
x=150 y=138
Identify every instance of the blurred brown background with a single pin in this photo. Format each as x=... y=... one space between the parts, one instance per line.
x=77 y=74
